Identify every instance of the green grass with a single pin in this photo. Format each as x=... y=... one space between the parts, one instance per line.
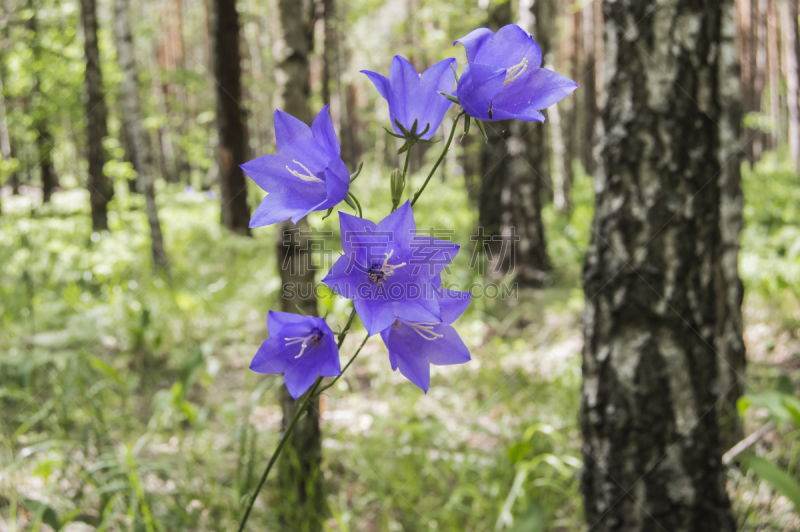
x=127 y=402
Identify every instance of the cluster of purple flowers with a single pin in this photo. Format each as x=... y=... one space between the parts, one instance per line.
x=395 y=286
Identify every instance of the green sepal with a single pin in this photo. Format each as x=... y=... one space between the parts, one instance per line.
x=483 y=131
x=355 y=174
x=449 y=97
x=330 y=210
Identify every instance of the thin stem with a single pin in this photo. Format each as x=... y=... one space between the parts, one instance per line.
x=358 y=204
x=405 y=170
x=298 y=412
x=312 y=394
x=439 y=161
x=336 y=378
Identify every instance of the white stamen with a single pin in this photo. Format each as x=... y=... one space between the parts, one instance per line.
x=311 y=178
x=516 y=71
x=304 y=339
x=425 y=329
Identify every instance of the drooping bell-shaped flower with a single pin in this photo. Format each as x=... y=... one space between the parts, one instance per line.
x=302 y=348
x=388 y=270
x=503 y=78
x=414 y=97
x=413 y=345
x=307 y=174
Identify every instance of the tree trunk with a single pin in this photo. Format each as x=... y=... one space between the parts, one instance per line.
x=6 y=144
x=44 y=138
x=100 y=188
x=139 y=137
x=589 y=87
x=662 y=325
x=760 y=55
x=789 y=38
x=509 y=206
x=302 y=506
x=230 y=120
x=774 y=63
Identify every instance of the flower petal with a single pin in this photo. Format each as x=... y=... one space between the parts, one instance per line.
x=477 y=88
x=298 y=379
x=452 y=304
x=381 y=83
x=269 y=358
x=325 y=134
x=535 y=91
x=447 y=350
x=508 y=47
x=404 y=80
x=416 y=369
x=474 y=41
x=288 y=129
x=432 y=105
x=278 y=207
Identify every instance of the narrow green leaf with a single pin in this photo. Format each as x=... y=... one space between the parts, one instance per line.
x=450 y=97
x=779 y=479
x=483 y=131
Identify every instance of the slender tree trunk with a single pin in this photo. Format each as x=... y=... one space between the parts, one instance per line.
x=760 y=55
x=302 y=506
x=100 y=188
x=143 y=156
x=589 y=88
x=662 y=290
x=745 y=35
x=774 y=63
x=230 y=119
x=166 y=157
x=788 y=19
x=172 y=63
x=6 y=144
x=44 y=138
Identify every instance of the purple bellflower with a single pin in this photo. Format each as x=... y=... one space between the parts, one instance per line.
x=388 y=270
x=414 y=97
x=413 y=346
x=300 y=347
x=307 y=174
x=503 y=78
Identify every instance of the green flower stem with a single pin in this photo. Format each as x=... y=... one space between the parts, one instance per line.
x=336 y=378
x=439 y=161
x=312 y=394
x=405 y=169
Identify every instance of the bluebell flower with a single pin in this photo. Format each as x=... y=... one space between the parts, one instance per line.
x=414 y=97
x=388 y=270
x=503 y=78
x=302 y=348
x=307 y=174
x=413 y=346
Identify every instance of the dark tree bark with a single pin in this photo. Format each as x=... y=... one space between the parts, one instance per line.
x=662 y=326
x=44 y=138
x=100 y=188
x=302 y=506
x=230 y=119
x=589 y=87
x=142 y=152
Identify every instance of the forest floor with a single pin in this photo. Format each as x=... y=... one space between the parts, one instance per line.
x=128 y=404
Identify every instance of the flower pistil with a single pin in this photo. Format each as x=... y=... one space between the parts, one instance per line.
x=308 y=176
x=312 y=339
x=380 y=271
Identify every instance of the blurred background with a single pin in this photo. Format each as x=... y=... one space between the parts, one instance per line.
x=133 y=295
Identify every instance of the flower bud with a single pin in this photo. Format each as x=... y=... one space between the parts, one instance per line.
x=398 y=183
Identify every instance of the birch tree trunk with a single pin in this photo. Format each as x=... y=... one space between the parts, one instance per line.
x=100 y=188
x=300 y=478
x=662 y=325
x=139 y=137
x=230 y=121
